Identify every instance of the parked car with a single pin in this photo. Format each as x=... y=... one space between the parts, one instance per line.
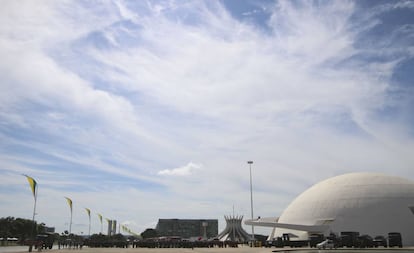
x=394 y=239
x=314 y=239
x=327 y=244
x=44 y=241
x=268 y=244
x=380 y=241
x=365 y=241
x=349 y=239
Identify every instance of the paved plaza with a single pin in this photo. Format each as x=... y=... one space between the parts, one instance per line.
x=242 y=249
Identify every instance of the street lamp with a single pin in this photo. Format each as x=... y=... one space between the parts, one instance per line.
x=251 y=196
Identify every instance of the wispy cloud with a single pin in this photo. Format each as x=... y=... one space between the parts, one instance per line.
x=97 y=101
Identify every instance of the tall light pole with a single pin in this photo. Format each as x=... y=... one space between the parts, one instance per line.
x=251 y=196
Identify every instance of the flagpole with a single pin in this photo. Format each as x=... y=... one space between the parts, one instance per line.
x=70 y=224
x=34 y=208
x=100 y=219
x=89 y=215
x=89 y=225
x=33 y=221
x=70 y=206
x=33 y=186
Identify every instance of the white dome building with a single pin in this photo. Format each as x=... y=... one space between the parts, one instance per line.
x=368 y=203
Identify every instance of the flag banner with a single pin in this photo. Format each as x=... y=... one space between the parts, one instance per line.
x=69 y=203
x=100 y=217
x=128 y=230
x=88 y=211
x=33 y=184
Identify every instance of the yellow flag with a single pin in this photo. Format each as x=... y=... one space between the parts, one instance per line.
x=69 y=203
x=32 y=184
x=88 y=211
x=100 y=217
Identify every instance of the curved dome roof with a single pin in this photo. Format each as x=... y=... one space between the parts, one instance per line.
x=370 y=203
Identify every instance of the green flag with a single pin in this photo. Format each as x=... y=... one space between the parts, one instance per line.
x=33 y=184
x=69 y=203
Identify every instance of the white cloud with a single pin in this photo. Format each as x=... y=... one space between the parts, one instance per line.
x=174 y=82
x=186 y=170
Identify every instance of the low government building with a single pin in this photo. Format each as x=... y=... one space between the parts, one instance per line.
x=188 y=228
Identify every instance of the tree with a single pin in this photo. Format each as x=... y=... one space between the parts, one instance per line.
x=5 y=227
x=19 y=228
x=149 y=233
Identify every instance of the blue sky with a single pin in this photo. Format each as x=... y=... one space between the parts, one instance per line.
x=142 y=110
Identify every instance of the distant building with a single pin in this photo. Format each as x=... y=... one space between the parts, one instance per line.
x=111 y=227
x=187 y=228
x=50 y=230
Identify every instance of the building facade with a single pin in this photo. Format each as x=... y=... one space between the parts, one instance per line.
x=111 y=227
x=369 y=203
x=188 y=228
x=234 y=231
